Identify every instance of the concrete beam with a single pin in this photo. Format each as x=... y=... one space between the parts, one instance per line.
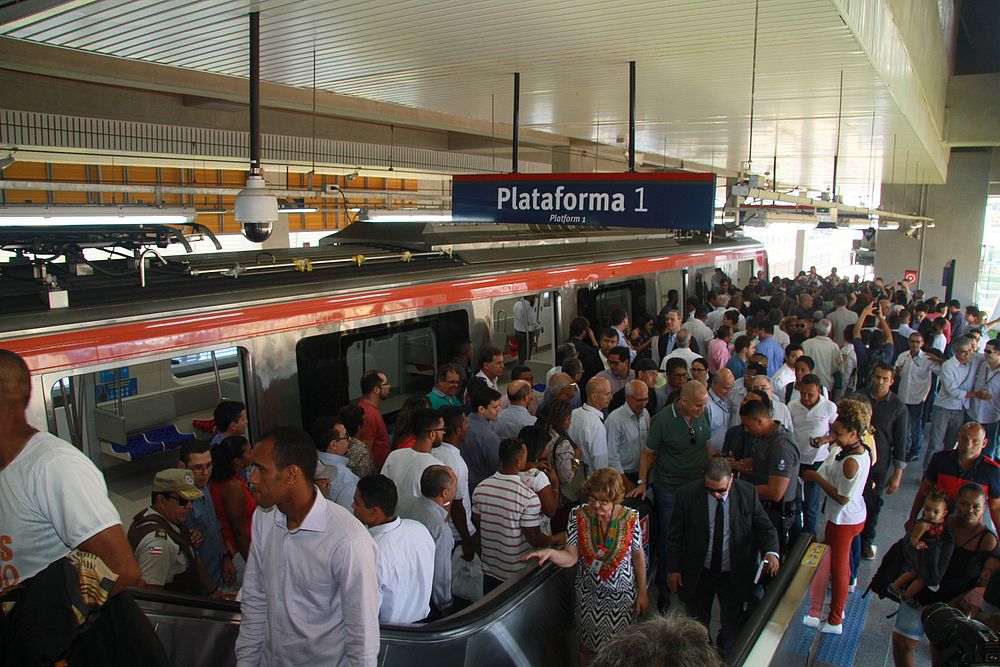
x=973 y=100
x=21 y=56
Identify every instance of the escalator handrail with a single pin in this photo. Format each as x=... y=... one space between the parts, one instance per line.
x=754 y=626
x=471 y=619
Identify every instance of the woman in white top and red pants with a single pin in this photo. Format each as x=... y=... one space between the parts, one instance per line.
x=842 y=477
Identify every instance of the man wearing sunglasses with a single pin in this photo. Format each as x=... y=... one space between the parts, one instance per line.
x=163 y=546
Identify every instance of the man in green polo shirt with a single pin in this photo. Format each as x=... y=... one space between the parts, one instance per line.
x=445 y=391
x=678 y=445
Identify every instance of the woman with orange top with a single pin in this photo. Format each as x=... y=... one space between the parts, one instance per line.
x=234 y=505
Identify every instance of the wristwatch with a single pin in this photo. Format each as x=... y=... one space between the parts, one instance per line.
x=639 y=481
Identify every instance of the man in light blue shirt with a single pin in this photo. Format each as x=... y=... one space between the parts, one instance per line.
x=771 y=349
x=196 y=456
x=310 y=592
x=332 y=442
x=628 y=427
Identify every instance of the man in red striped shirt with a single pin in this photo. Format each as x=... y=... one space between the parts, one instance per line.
x=507 y=515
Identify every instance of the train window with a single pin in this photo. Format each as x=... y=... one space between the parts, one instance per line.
x=330 y=366
x=596 y=304
x=202 y=362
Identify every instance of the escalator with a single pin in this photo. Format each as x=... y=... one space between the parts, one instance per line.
x=526 y=622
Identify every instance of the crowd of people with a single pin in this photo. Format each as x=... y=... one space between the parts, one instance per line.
x=738 y=419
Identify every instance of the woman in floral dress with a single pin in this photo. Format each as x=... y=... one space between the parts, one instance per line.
x=604 y=543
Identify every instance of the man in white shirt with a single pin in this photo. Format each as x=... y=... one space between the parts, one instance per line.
x=405 y=553
x=310 y=590
x=914 y=370
x=718 y=408
x=628 y=427
x=525 y=326
x=956 y=382
x=490 y=366
x=986 y=406
x=812 y=415
x=449 y=452
x=586 y=427
x=516 y=415
x=52 y=497
x=404 y=466
x=431 y=509
x=332 y=442
x=840 y=318
x=786 y=373
x=779 y=411
x=714 y=319
x=682 y=349
x=825 y=353
x=700 y=332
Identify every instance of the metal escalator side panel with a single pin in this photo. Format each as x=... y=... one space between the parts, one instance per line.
x=762 y=633
x=529 y=621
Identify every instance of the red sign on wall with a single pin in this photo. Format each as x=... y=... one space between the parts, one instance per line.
x=911 y=275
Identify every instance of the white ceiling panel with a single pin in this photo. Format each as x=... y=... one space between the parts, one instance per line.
x=694 y=59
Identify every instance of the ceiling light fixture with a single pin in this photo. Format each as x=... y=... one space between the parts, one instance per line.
x=298 y=209
x=90 y=216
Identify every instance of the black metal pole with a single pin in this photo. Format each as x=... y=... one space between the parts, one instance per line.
x=255 y=93
x=517 y=118
x=631 y=115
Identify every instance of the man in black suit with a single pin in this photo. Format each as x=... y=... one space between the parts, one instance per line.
x=717 y=534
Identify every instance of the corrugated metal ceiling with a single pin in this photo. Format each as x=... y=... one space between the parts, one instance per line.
x=694 y=70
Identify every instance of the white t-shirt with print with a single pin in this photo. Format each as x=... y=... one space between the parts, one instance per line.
x=52 y=498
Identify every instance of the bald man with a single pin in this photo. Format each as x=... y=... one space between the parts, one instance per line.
x=586 y=426
x=679 y=445
x=52 y=497
x=516 y=415
x=628 y=429
x=718 y=406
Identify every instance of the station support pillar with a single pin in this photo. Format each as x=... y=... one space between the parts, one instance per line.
x=959 y=211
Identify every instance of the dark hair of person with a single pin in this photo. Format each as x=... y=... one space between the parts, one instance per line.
x=572 y=366
x=487 y=353
x=882 y=366
x=763 y=396
x=742 y=343
x=812 y=379
x=619 y=351
x=723 y=331
x=322 y=431
x=577 y=326
x=379 y=491
x=293 y=447
x=609 y=332
x=453 y=416
x=535 y=438
x=674 y=364
x=755 y=410
x=482 y=397
x=370 y=381
x=807 y=361
x=353 y=419
x=564 y=351
x=434 y=480
x=553 y=414
x=510 y=449
x=617 y=316
x=226 y=412
x=792 y=347
x=424 y=419
x=443 y=371
x=404 y=420
x=192 y=446
x=224 y=456
x=518 y=372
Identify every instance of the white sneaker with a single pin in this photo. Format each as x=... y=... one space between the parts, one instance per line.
x=810 y=621
x=829 y=629
x=853 y=586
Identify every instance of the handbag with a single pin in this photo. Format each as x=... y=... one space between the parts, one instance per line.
x=466 y=576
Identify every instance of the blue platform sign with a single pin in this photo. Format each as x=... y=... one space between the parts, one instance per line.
x=631 y=199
